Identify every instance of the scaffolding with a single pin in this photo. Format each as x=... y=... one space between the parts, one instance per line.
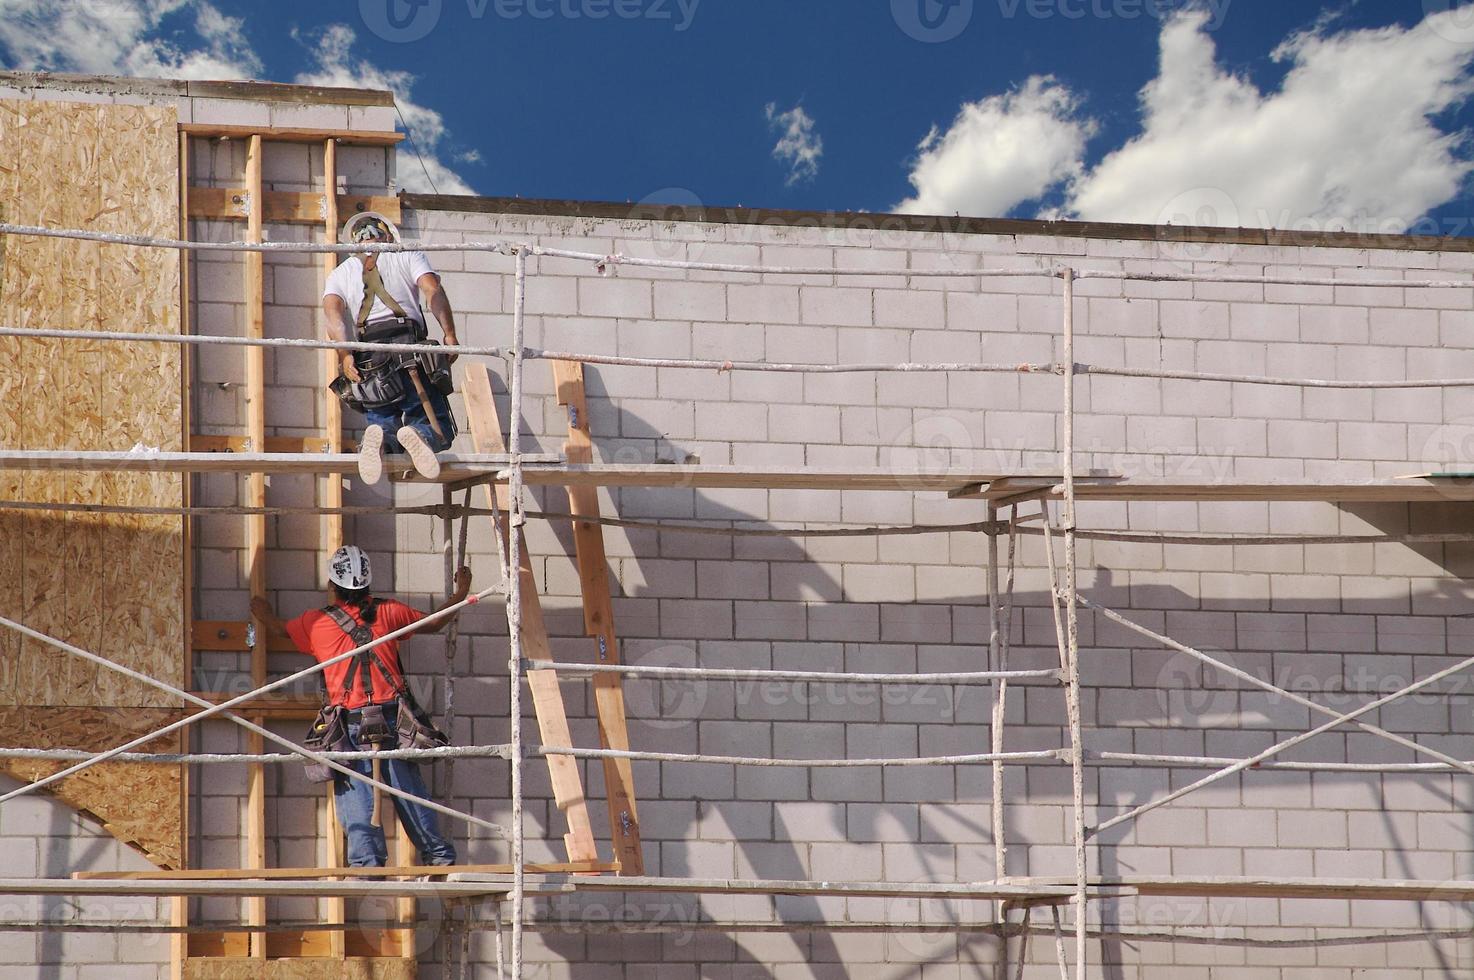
x=505 y=470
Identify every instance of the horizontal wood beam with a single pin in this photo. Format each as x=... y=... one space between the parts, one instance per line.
x=283 y=207
x=274 y=444
x=291 y=134
x=308 y=874
x=224 y=635
x=454 y=467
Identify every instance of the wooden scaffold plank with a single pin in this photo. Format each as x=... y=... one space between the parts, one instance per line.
x=598 y=614
x=255 y=856
x=547 y=697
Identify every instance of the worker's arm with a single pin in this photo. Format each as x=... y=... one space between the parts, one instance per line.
x=439 y=304
x=463 y=589
x=276 y=629
x=335 y=315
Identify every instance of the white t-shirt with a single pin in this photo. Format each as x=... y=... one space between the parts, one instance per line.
x=401 y=272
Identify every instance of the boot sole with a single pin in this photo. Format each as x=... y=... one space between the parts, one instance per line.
x=419 y=453
x=370 y=458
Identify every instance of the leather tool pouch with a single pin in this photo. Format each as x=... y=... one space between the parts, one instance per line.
x=329 y=733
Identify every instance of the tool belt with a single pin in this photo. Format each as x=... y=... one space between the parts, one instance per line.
x=412 y=727
x=383 y=378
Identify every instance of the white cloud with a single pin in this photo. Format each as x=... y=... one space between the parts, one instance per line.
x=799 y=146
x=1346 y=141
x=1000 y=152
x=149 y=39
x=127 y=37
x=336 y=65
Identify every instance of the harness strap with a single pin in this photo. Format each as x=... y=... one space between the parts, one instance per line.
x=359 y=666
x=373 y=288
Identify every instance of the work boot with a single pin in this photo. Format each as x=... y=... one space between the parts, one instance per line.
x=419 y=452
x=370 y=456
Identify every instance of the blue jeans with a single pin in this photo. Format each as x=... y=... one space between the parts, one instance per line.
x=355 y=804
x=410 y=412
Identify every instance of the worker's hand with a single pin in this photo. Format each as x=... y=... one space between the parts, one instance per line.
x=451 y=341
x=350 y=370
x=463 y=582
x=261 y=609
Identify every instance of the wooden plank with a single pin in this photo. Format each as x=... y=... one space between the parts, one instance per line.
x=598 y=608
x=326 y=968
x=307 y=874
x=179 y=907
x=213 y=634
x=547 y=697
x=330 y=494
x=312 y=445
x=288 y=207
x=291 y=134
x=455 y=467
x=255 y=544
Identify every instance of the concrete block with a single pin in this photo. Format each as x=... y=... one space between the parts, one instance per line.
x=845 y=306
x=690 y=301
x=763 y=304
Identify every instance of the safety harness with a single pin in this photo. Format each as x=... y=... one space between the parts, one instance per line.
x=387 y=377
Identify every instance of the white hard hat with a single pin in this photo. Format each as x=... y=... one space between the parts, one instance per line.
x=349 y=568
x=365 y=225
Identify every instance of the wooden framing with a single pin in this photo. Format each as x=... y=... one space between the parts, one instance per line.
x=288 y=207
x=288 y=134
x=547 y=697
x=308 y=874
x=330 y=494
x=598 y=614
x=179 y=907
x=255 y=856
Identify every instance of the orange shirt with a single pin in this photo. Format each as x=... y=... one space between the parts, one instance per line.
x=316 y=635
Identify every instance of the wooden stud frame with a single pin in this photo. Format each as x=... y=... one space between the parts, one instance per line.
x=598 y=609
x=547 y=697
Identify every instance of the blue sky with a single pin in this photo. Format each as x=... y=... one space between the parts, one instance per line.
x=1275 y=112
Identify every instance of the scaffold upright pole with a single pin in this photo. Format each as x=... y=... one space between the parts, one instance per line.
x=1072 y=626
x=515 y=521
x=999 y=694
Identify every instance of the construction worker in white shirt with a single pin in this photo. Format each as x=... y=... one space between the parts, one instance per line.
x=375 y=298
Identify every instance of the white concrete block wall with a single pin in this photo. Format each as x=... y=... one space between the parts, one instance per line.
x=1323 y=619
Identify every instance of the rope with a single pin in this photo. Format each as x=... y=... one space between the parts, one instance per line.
x=761 y=762
x=214 y=709
x=723 y=366
x=604 y=262
x=221 y=758
x=1249 y=678
x=637 y=672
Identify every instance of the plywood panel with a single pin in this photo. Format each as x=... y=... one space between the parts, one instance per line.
x=138 y=804
x=353 y=968
x=111 y=584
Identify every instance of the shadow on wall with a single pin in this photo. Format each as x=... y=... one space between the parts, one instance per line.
x=932 y=824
